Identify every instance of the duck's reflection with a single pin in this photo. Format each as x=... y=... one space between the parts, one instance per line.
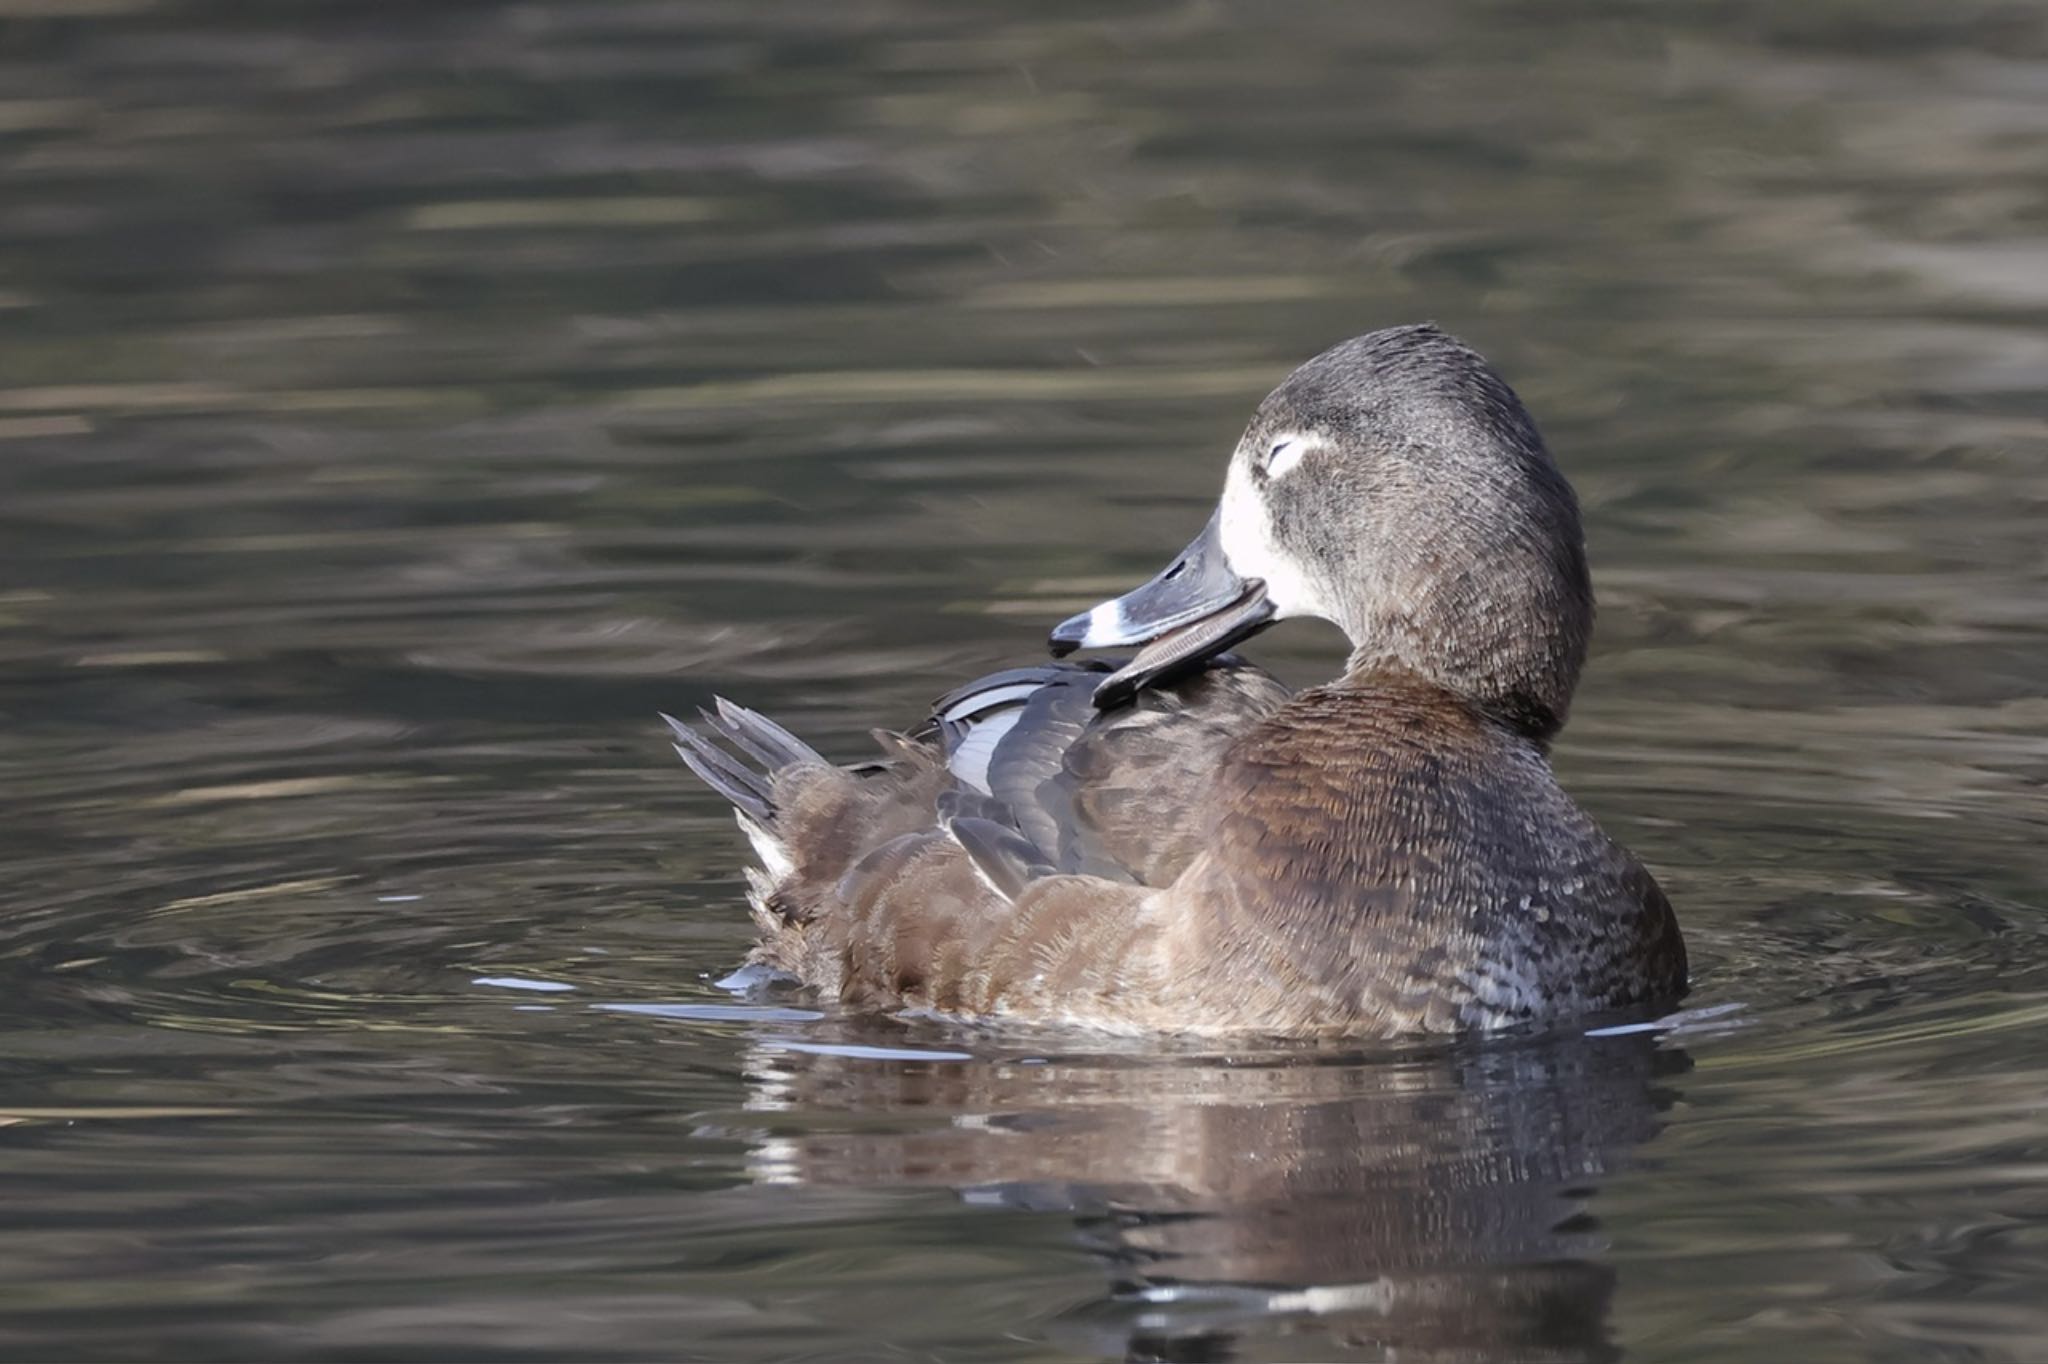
x=1428 y=1206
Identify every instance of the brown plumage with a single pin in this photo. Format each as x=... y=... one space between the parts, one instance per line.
x=1179 y=845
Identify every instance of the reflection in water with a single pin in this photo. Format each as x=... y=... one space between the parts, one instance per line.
x=1433 y=1206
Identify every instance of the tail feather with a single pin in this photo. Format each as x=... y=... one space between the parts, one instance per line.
x=805 y=819
x=746 y=789
x=745 y=773
x=717 y=725
x=760 y=735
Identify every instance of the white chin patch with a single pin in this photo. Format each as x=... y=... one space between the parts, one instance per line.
x=1247 y=533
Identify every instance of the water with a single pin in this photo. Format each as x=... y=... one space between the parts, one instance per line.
x=402 y=402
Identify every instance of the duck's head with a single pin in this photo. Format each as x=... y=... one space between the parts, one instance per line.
x=1395 y=486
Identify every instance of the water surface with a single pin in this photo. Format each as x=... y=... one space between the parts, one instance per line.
x=400 y=403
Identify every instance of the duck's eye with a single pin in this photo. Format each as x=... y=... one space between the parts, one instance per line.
x=1283 y=455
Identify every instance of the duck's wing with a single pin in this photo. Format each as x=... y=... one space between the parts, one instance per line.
x=1116 y=794
x=1018 y=814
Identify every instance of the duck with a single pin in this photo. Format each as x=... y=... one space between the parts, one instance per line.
x=1171 y=841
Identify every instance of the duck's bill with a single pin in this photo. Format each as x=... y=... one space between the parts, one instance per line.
x=1193 y=611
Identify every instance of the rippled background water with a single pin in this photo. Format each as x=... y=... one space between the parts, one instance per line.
x=400 y=402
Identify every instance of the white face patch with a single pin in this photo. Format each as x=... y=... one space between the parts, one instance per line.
x=1246 y=529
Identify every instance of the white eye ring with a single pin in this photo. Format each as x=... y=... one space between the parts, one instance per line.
x=1285 y=454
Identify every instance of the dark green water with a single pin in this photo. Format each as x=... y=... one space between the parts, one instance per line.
x=400 y=402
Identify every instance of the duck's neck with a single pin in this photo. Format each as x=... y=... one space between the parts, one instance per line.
x=1526 y=717
x=1512 y=706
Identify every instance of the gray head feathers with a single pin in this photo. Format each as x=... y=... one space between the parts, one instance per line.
x=1408 y=497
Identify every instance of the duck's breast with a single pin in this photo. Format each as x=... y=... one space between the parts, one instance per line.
x=1378 y=853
